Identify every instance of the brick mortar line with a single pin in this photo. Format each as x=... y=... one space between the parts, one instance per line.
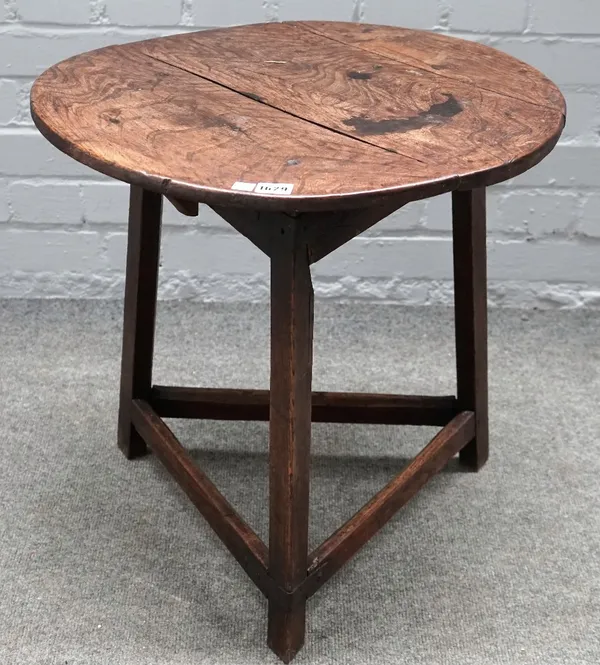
x=109 y=284
x=54 y=29
x=529 y=15
x=113 y=228
x=420 y=234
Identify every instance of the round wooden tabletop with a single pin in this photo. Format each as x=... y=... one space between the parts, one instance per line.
x=301 y=116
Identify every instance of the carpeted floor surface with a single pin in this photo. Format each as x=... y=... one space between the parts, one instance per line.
x=104 y=561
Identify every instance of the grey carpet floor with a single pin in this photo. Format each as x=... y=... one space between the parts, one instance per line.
x=104 y=561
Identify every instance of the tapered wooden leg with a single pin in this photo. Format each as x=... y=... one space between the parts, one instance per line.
x=290 y=432
x=470 y=295
x=143 y=249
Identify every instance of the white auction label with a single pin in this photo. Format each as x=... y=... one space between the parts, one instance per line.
x=244 y=186
x=274 y=188
x=263 y=187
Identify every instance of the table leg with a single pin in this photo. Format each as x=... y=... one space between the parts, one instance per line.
x=470 y=295
x=143 y=250
x=290 y=433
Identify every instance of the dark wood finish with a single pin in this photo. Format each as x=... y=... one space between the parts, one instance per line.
x=143 y=250
x=359 y=120
x=290 y=433
x=470 y=298
x=375 y=113
x=329 y=557
x=322 y=233
x=259 y=226
x=187 y=208
x=365 y=408
x=238 y=537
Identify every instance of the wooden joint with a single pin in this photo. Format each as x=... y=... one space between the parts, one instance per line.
x=286 y=600
x=321 y=233
x=184 y=206
x=257 y=226
x=253 y=405
x=324 y=234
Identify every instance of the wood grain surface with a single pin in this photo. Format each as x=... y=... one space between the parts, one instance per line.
x=471 y=62
x=350 y=115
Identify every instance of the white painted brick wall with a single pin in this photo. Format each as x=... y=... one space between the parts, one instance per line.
x=227 y=12
x=142 y=12
x=573 y=16
x=40 y=202
x=65 y=12
x=489 y=15
x=4 y=207
x=590 y=216
x=9 y=101
x=330 y=10
x=62 y=226
x=425 y=14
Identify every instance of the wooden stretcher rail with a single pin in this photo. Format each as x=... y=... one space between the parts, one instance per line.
x=365 y=408
x=239 y=538
x=329 y=557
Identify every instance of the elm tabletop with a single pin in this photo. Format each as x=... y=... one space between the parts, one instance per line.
x=301 y=136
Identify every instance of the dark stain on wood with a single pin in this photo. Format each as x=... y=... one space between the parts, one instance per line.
x=217 y=121
x=360 y=76
x=254 y=96
x=437 y=114
x=447 y=109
